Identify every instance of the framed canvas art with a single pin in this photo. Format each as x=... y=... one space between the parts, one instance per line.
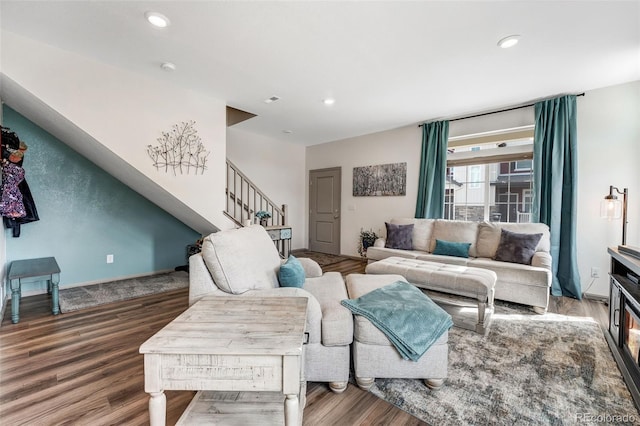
x=380 y=180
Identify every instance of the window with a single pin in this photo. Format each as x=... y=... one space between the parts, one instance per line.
x=448 y=203
x=527 y=200
x=507 y=205
x=474 y=177
x=523 y=165
x=490 y=182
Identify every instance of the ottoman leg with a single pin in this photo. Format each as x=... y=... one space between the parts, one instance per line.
x=480 y=326
x=338 y=387
x=538 y=310
x=434 y=384
x=365 y=383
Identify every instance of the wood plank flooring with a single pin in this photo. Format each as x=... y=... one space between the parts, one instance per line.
x=83 y=367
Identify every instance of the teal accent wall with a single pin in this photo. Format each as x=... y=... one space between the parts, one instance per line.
x=86 y=214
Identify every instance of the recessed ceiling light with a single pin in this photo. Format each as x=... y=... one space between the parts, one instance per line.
x=509 y=41
x=329 y=101
x=168 y=66
x=287 y=131
x=272 y=99
x=156 y=19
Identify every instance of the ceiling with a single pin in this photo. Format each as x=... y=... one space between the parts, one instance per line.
x=387 y=63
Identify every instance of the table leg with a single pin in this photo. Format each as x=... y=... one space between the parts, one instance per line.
x=55 y=306
x=157 y=409
x=15 y=301
x=291 y=407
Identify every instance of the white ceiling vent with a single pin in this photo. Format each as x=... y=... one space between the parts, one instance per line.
x=271 y=99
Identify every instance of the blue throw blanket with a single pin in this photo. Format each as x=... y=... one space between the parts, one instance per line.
x=410 y=320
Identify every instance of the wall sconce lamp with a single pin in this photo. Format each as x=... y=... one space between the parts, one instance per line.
x=612 y=208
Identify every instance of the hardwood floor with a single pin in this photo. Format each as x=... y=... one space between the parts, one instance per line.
x=83 y=368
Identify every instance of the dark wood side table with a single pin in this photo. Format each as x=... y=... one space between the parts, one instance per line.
x=33 y=270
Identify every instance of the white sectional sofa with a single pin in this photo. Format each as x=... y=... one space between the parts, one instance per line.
x=519 y=283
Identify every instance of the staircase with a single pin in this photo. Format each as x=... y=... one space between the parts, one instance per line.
x=244 y=199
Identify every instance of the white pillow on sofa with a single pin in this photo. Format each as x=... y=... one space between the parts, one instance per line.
x=242 y=259
x=422 y=229
x=489 y=236
x=457 y=231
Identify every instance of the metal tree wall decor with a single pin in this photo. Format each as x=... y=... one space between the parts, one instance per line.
x=181 y=149
x=380 y=180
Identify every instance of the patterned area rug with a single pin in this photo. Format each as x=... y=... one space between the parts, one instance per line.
x=529 y=370
x=75 y=298
x=323 y=259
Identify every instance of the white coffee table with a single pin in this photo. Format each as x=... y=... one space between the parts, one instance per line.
x=229 y=344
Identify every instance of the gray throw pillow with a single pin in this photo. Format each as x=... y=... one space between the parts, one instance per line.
x=517 y=248
x=399 y=236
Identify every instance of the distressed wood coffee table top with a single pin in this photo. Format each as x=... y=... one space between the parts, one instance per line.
x=234 y=325
x=229 y=343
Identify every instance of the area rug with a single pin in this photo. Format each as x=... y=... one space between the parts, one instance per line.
x=528 y=370
x=323 y=259
x=75 y=298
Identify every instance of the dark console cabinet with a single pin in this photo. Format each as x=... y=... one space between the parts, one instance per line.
x=623 y=334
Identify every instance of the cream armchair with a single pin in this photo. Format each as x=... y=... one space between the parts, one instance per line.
x=245 y=262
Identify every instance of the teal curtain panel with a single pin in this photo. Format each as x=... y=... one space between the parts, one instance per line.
x=433 y=167
x=555 y=187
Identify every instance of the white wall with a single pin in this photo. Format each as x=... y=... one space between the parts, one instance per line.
x=609 y=150
x=125 y=112
x=277 y=168
x=609 y=154
x=393 y=146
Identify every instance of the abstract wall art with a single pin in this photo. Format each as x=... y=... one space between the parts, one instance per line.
x=380 y=180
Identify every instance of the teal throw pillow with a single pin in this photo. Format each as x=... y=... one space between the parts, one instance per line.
x=291 y=273
x=450 y=248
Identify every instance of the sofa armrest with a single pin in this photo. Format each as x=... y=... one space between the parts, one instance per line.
x=314 y=311
x=380 y=242
x=311 y=267
x=542 y=259
x=200 y=282
x=337 y=321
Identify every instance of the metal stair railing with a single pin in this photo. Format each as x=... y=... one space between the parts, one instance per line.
x=244 y=199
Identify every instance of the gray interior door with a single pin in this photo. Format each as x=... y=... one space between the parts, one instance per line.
x=324 y=210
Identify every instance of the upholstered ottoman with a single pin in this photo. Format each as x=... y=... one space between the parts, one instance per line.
x=375 y=356
x=474 y=283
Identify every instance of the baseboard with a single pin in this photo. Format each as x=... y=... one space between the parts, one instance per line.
x=596 y=297
x=86 y=283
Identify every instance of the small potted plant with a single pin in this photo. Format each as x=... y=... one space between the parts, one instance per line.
x=367 y=238
x=263 y=216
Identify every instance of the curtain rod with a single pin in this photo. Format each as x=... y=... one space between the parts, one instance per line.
x=494 y=112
